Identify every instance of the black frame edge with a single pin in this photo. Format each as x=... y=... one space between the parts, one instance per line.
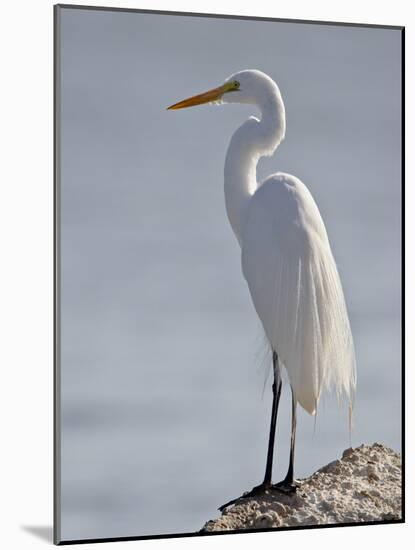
x=403 y=175
x=233 y=532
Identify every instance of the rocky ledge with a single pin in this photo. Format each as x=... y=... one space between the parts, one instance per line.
x=363 y=486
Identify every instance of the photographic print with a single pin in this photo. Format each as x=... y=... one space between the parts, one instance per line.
x=228 y=339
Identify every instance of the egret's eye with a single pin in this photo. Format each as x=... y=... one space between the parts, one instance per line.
x=231 y=86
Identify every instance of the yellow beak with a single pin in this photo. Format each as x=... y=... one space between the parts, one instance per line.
x=207 y=97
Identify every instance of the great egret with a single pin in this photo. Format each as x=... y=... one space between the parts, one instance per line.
x=286 y=261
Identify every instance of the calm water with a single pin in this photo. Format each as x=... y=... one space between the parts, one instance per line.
x=164 y=412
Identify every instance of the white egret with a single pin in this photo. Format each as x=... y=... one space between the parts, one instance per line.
x=286 y=261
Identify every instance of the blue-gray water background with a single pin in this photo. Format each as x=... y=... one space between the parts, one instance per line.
x=163 y=411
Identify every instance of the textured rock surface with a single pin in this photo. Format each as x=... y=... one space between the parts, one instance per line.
x=364 y=485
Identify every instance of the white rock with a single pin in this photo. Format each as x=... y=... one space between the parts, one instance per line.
x=364 y=485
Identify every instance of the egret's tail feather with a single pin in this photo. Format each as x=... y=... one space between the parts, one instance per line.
x=310 y=329
x=323 y=335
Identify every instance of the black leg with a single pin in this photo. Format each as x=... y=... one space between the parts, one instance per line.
x=276 y=393
x=290 y=474
x=287 y=485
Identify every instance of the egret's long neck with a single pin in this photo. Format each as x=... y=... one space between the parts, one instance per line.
x=254 y=139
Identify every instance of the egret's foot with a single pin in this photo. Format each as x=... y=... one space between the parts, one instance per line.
x=285 y=486
x=259 y=489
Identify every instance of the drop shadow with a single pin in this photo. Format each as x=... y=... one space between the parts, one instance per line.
x=44 y=532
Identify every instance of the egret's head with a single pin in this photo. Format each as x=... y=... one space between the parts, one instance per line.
x=249 y=86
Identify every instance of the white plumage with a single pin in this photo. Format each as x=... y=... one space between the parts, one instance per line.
x=286 y=256
x=286 y=261
x=296 y=290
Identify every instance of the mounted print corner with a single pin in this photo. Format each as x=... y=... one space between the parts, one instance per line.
x=228 y=252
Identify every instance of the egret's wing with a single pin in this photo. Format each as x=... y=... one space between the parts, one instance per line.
x=296 y=289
